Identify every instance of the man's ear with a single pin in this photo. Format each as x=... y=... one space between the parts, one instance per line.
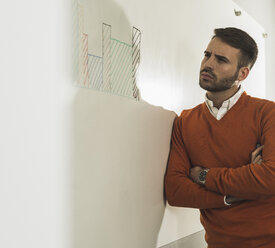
x=243 y=73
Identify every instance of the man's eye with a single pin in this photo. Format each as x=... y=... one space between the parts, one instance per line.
x=207 y=55
x=222 y=60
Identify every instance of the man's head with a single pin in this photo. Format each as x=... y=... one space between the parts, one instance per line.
x=241 y=40
x=228 y=59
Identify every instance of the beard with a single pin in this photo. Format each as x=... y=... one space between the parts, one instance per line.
x=216 y=85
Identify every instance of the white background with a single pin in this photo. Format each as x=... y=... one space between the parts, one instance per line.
x=38 y=114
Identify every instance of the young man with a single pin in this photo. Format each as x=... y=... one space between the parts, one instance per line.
x=222 y=157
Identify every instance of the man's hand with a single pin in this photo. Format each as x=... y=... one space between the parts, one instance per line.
x=256 y=156
x=194 y=174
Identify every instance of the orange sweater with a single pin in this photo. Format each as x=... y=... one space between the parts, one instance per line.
x=225 y=147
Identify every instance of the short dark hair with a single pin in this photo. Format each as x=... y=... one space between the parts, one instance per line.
x=241 y=40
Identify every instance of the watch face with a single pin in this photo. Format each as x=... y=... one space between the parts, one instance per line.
x=202 y=175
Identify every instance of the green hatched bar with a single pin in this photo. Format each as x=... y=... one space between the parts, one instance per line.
x=121 y=70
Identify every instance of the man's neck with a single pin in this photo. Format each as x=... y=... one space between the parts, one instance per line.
x=219 y=97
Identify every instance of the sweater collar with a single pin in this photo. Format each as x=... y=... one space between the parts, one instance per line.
x=226 y=105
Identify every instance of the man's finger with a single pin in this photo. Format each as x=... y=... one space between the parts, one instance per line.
x=257 y=159
x=258 y=150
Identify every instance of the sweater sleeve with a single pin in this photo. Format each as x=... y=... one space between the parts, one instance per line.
x=180 y=190
x=252 y=181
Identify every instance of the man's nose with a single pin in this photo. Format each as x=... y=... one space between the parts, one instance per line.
x=209 y=63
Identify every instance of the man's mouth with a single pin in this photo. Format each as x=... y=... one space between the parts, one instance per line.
x=206 y=76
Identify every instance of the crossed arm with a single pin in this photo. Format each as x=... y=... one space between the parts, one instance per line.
x=253 y=181
x=256 y=158
x=180 y=190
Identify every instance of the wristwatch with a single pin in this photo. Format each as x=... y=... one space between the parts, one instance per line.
x=202 y=176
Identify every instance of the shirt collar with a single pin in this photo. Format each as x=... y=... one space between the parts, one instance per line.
x=227 y=103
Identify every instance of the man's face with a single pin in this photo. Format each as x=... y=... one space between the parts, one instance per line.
x=218 y=70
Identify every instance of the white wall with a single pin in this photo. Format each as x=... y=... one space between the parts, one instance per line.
x=119 y=160
x=35 y=104
x=264 y=13
x=39 y=106
x=170 y=57
x=174 y=37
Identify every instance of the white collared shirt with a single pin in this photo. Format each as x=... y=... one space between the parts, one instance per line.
x=226 y=105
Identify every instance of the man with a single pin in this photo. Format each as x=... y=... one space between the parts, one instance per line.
x=222 y=157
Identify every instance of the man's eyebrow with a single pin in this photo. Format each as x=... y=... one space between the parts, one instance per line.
x=221 y=57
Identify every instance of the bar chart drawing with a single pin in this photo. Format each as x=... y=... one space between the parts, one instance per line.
x=116 y=70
